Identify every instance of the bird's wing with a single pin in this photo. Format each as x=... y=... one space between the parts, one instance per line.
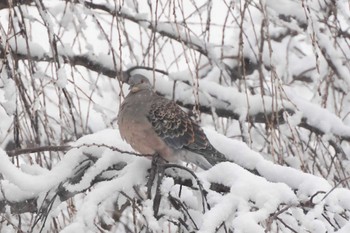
x=179 y=131
x=173 y=125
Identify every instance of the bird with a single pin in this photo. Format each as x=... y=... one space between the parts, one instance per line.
x=155 y=125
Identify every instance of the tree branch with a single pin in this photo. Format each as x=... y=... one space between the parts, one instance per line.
x=30 y=205
x=4 y=4
x=93 y=63
x=87 y=61
x=16 y=152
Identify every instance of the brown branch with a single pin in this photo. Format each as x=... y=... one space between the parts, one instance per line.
x=64 y=148
x=86 y=60
x=16 y=152
x=118 y=12
x=25 y=206
x=92 y=63
x=4 y=4
x=262 y=117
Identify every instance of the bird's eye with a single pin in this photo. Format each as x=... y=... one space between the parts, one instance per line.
x=142 y=81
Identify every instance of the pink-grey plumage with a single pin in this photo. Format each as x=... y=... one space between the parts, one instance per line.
x=152 y=124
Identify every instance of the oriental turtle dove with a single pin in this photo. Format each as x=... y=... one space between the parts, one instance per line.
x=152 y=124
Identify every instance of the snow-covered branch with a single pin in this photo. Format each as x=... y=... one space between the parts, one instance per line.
x=268 y=82
x=111 y=178
x=229 y=107
x=174 y=31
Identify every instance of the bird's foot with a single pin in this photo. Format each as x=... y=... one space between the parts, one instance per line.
x=157 y=169
x=156 y=160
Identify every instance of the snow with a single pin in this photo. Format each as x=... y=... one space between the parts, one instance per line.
x=345 y=228
x=317 y=116
x=39 y=183
x=9 y=95
x=61 y=78
x=248 y=105
x=302 y=179
x=287 y=7
x=107 y=188
x=22 y=46
x=267 y=193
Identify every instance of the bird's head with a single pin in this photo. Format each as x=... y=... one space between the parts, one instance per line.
x=139 y=82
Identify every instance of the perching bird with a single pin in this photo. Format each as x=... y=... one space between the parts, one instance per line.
x=152 y=124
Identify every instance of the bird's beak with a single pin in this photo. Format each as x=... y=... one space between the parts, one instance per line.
x=134 y=89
